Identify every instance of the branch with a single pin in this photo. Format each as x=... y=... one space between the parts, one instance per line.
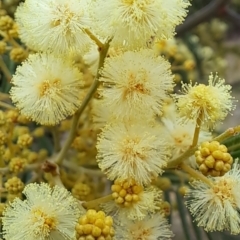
x=92 y=90
x=5 y=70
x=200 y=16
x=233 y=16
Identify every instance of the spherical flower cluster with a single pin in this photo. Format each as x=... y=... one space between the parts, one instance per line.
x=216 y=207
x=24 y=140
x=136 y=83
x=17 y=164
x=132 y=151
x=210 y=103
x=6 y=23
x=81 y=191
x=45 y=214
x=144 y=201
x=125 y=193
x=213 y=159
x=18 y=54
x=151 y=227
x=132 y=23
x=47 y=89
x=53 y=25
x=95 y=225
x=14 y=185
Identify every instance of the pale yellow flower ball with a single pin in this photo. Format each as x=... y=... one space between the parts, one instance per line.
x=47 y=89
x=52 y=25
x=132 y=23
x=216 y=207
x=47 y=213
x=209 y=103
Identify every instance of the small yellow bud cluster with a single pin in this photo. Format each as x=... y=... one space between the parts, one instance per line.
x=125 y=193
x=13 y=32
x=6 y=23
x=24 y=140
x=3 y=47
x=81 y=191
x=14 y=185
x=213 y=159
x=19 y=131
x=17 y=164
x=95 y=226
x=12 y=116
x=18 y=54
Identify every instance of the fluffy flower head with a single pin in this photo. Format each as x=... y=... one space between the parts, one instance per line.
x=46 y=89
x=53 y=25
x=216 y=208
x=131 y=151
x=132 y=23
x=151 y=227
x=45 y=214
x=132 y=201
x=136 y=83
x=210 y=103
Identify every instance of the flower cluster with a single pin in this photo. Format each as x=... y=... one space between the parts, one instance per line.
x=54 y=85
x=45 y=214
x=216 y=207
x=102 y=63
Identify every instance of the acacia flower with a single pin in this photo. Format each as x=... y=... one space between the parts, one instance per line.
x=132 y=23
x=132 y=151
x=136 y=83
x=132 y=201
x=53 y=25
x=210 y=103
x=47 y=89
x=216 y=207
x=151 y=227
x=45 y=214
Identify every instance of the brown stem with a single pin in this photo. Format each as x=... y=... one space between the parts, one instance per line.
x=233 y=16
x=5 y=70
x=56 y=138
x=77 y=115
